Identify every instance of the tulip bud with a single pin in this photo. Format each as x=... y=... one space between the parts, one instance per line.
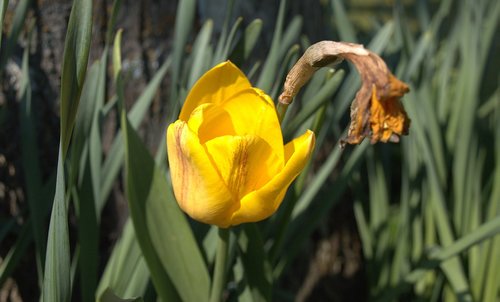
x=228 y=164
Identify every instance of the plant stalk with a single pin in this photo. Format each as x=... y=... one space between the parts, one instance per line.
x=219 y=277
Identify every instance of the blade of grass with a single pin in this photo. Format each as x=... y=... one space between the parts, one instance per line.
x=17 y=252
x=321 y=97
x=126 y=272
x=183 y=23
x=31 y=164
x=437 y=256
x=137 y=193
x=200 y=49
x=74 y=66
x=114 y=160
x=160 y=225
x=344 y=26
x=230 y=38
x=17 y=25
x=110 y=296
x=488 y=271
x=224 y=32
x=3 y=9
x=247 y=42
x=267 y=75
x=56 y=282
x=307 y=221
x=112 y=21
x=437 y=199
x=256 y=266
x=290 y=58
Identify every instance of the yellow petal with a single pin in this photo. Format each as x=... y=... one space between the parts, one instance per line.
x=253 y=112
x=209 y=121
x=250 y=112
x=262 y=203
x=197 y=185
x=216 y=86
x=245 y=163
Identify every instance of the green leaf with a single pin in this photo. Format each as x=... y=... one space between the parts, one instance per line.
x=3 y=9
x=113 y=162
x=17 y=252
x=311 y=105
x=164 y=235
x=138 y=190
x=230 y=39
x=17 y=25
x=257 y=269
x=268 y=74
x=74 y=66
x=112 y=21
x=224 y=32
x=200 y=51
x=183 y=23
x=343 y=25
x=126 y=272
x=88 y=259
x=110 y=296
x=438 y=256
x=31 y=165
x=56 y=283
x=305 y=217
x=247 y=42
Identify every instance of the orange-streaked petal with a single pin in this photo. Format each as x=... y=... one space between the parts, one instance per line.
x=216 y=86
x=198 y=188
x=245 y=163
x=262 y=203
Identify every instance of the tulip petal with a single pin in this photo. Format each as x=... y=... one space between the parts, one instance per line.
x=209 y=121
x=237 y=117
x=253 y=112
x=262 y=203
x=245 y=163
x=197 y=185
x=216 y=86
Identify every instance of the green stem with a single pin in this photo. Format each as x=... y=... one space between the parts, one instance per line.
x=219 y=277
x=281 y=109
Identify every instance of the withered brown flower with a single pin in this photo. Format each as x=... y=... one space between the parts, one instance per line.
x=376 y=111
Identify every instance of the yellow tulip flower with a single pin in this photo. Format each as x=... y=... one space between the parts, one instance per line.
x=227 y=160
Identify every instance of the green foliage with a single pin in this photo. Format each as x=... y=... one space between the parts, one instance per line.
x=427 y=210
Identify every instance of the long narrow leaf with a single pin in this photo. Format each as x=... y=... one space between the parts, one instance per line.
x=56 y=283
x=256 y=266
x=163 y=232
x=126 y=272
x=31 y=165
x=113 y=162
x=74 y=66
x=3 y=9
x=17 y=25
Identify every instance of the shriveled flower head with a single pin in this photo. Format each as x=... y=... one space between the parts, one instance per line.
x=376 y=112
x=227 y=160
